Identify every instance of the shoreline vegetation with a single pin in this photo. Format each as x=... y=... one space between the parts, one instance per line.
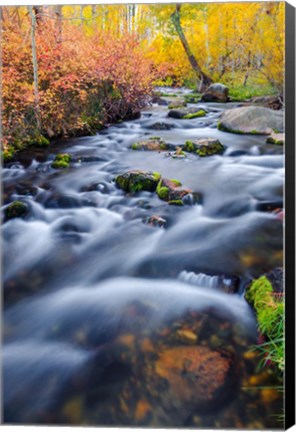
x=71 y=71
x=76 y=69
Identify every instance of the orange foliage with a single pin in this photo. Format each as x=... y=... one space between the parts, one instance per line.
x=84 y=80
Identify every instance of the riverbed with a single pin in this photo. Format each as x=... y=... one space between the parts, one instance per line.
x=110 y=320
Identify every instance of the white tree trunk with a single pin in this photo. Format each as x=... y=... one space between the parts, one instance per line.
x=35 y=68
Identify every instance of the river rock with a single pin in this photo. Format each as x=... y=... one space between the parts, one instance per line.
x=177 y=103
x=205 y=147
x=215 y=93
x=136 y=180
x=272 y=102
x=155 y=220
x=197 y=374
x=251 y=120
x=161 y=126
x=187 y=113
x=276 y=138
x=16 y=209
x=172 y=191
x=276 y=278
x=153 y=143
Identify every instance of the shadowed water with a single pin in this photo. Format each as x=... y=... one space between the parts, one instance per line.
x=88 y=285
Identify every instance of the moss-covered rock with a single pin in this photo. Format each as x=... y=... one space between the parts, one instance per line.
x=204 y=147
x=136 y=180
x=276 y=138
x=61 y=160
x=171 y=190
x=199 y=113
x=16 y=209
x=152 y=144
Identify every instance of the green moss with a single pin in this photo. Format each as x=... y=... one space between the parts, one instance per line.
x=166 y=94
x=61 y=160
x=223 y=128
x=155 y=138
x=176 y=202
x=163 y=146
x=162 y=191
x=189 y=146
x=200 y=113
x=270 y=316
x=271 y=140
x=176 y=182
x=135 y=146
x=15 y=210
x=177 y=106
x=156 y=176
x=122 y=182
x=38 y=141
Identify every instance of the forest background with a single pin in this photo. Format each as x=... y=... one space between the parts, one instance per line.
x=72 y=70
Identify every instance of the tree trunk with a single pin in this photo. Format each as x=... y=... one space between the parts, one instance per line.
x=35 y=69
x=59 y=22
x=203 y=79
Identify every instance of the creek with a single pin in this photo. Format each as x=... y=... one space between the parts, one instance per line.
x=111 y=321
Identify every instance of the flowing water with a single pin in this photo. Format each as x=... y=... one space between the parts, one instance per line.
x=111 y=321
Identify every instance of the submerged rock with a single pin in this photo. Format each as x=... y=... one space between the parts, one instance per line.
x=204 y=147
x=153 y=143
x=215 y=93
x=136 y=180
x=16 y=209
x=251 y=120
x=155 y=220
x=197 y=374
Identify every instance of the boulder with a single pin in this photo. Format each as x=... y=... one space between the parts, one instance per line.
x=204 y=147
x=251 y=120
x=136 y=180
x=215 y=93
x=153 y=143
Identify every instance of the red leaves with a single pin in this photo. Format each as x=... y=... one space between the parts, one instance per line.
x=75 y=74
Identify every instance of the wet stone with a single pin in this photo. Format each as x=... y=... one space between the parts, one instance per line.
x=155 y=220
x=171 y=190
x=204 y=147
x=16 y=209
x=136 y=180
x=152 y=144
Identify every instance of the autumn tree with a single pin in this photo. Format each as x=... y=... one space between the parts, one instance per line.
x=202 y=77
